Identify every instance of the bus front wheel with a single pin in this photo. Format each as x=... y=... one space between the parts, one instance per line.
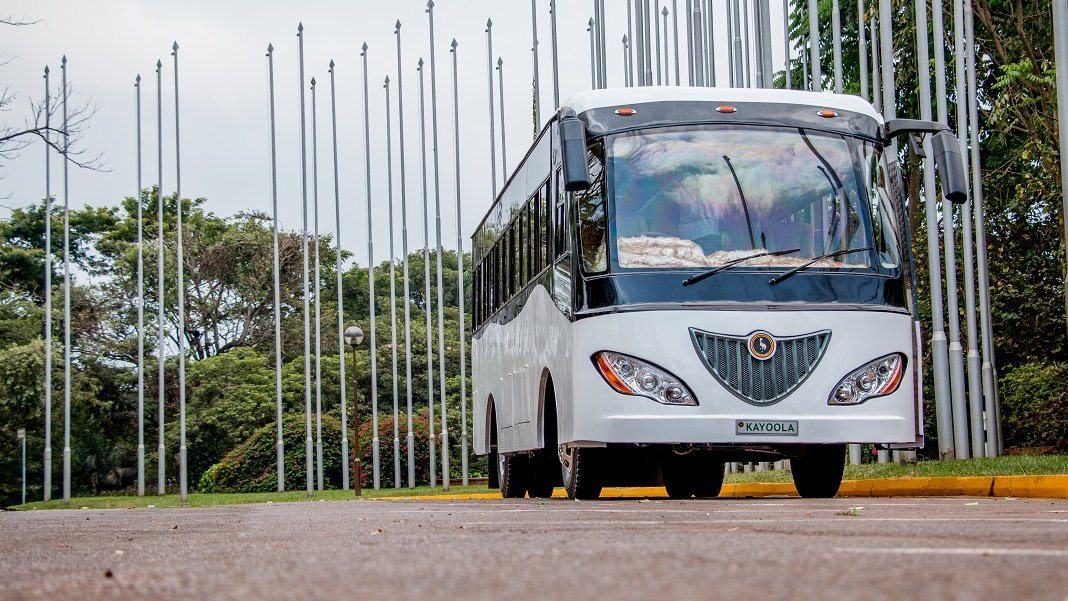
x=818 y=471
x=580 y=471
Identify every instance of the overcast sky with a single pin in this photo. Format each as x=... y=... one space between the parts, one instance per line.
x=224 y=109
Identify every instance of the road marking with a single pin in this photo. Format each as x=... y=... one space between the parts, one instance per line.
x=988 y=551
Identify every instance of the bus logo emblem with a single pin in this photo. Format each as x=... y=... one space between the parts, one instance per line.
x=761 y=345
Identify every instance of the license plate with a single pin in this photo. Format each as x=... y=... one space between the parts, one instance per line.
x=751 y=427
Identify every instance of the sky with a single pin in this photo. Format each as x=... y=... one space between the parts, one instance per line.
x=223 y=100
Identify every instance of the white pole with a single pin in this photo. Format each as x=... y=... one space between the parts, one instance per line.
x=66 y=291
x=340 y=295
x=48 y=296
x=492 y=114
x=409 y=438
x=431 y=437
x=556 y=63
x=437 y=206
x=862 y=47
x=183 y=467
x=534 y=52
x=304 y=251
x=460 y=269
x=376 y=476
x=316 y=287
x=836 y=29
x=392 y=293
x=279 y=444
x=814 y=45
x=786 y=41
x=140 y=312
x=161 y=470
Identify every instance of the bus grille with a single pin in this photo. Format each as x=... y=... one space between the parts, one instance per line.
x=755 y=381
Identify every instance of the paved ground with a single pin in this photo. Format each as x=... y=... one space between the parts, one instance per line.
x=943 y=548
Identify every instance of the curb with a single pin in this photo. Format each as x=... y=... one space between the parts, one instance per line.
x=1042 y=487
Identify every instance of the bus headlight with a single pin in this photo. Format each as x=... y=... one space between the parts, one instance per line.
x=627 y=375
x=878 y=378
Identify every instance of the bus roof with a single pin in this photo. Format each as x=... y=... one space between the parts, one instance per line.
x=594 y=99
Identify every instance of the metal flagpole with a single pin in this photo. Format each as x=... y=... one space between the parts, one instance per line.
x=639 y=69
x=431 y=441
x=656 y=25
x=340 y=295
x=862 y=55
x=993 y=421
x=939 y=351
x=741 y=78
x=690 y=69
x=504 y=144
x=410 y=437
x=66 y=291
x=370 y=279
x=140 y=312
x=556 y=64
x=593 y=58
x=626 y=61
x=675 y=30
x=48 y=296
x=492 y=115
x=698 y=45
x=886 y=41
x=279 y=444
x=392 y=292
x=836 y=32
x=161 y=470
x=666 y=46
x=628 y=55
x=601 y=46
x=764 y=42
x=647 y=22
x=814 y=45
x=460 y=269
x=730 y=44
x=786 y=42
x=961 y=448
x=746 y=36
x=537 y=76
x=183 y=469
x=876 y=77
x=316 y=287
x=304 y=251
x=709 y=23
x=974 y=365
x=437 y=218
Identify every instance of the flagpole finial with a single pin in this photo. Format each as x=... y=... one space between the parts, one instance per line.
x=397 y=27
x=46 y=70
x=420 y=63
x=489 y=24
x=429 y=5
x=664 y=12
x=270 y=48
x=313 y=82
x=137 y=81
x=363 y=50
x=331 y=65
x=174 y=48
x=387 y=82
x=454 y=45
x=500 y=62
x=300 y=28
x=159 y=65
x=63 y=61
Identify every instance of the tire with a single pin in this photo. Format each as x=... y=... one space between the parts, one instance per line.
x=708 y=478
x=580 y=470
x=818 y=471
x=675 y=471
x=513 y=472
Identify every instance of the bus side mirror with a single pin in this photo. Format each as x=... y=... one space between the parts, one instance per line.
x=573 y=147
x=947 y=158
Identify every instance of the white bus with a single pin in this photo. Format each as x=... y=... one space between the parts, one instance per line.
x=675 y=278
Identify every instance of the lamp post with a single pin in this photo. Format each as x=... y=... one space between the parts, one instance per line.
x=20 y=434
x=353 y=337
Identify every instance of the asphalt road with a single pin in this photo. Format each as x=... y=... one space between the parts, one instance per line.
x=942 y=548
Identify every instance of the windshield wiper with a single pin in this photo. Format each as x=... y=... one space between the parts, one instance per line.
x=837 y=253
x=690 y=281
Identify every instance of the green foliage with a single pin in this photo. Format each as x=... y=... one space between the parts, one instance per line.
x=1034 y=405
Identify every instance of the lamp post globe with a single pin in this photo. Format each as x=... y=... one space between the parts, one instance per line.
x=353 y=335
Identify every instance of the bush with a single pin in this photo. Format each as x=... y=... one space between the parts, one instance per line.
x=1034 y=405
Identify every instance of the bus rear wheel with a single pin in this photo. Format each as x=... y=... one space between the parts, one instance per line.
x=818 y=471
x=580 y=470
x=513 y=472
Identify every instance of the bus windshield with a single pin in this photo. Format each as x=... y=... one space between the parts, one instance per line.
x=697 y=197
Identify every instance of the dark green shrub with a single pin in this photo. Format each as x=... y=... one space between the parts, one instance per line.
x=1034 y=405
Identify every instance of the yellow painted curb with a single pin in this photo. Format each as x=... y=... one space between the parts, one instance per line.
x=1045 y=487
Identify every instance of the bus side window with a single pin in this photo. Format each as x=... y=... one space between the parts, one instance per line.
x=543 y=229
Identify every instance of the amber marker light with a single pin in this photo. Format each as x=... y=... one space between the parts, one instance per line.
x=726 y=108
x=626 y=111
x=827 y=114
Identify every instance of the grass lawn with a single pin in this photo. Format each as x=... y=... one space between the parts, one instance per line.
x=202 y=500
x=1015 y=465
